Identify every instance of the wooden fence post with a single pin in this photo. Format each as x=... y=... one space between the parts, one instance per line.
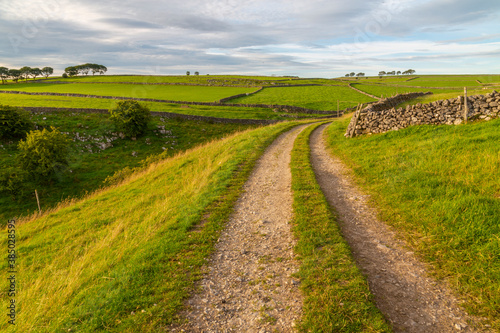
x=466 y=106
x=38 y=202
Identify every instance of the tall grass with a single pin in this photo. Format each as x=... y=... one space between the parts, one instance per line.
x=124 y=258
x=337 y=297
x=439 y=186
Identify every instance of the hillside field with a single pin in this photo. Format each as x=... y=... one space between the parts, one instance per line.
x=122 y=255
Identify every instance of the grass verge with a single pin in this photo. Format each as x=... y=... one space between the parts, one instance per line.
x=337 y=297
x=438 y=185
x=125 y=258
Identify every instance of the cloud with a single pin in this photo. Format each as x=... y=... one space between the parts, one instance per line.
x=313 y=38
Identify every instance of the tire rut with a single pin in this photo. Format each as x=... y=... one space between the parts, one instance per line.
x=405 y=293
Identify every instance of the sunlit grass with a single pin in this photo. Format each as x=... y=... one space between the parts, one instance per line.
x=124 y=258
x=173 y=93
x=329 y=306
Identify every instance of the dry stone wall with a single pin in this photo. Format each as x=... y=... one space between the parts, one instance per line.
x=378 y=118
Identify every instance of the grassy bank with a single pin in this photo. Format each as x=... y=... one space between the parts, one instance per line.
x=438 y=185
x=337 y=298
x=124 y=258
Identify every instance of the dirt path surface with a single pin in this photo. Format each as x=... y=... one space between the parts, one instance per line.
x=250 y=287
x=406 y=295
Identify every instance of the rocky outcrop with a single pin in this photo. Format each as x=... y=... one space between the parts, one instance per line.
x=377 y=119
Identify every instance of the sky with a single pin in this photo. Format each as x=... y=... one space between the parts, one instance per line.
x=306 y=38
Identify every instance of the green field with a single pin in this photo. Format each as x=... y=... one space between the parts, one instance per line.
x=90 y=165
x=315 y=97
x=438 y=81
x=174 y=93
x=438 y=185
x=98 y=103
x=389 y=91
x=214 y=80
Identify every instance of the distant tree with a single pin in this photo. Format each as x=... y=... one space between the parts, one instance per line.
x=196 y=73
x=43 y=153
x=188 y=73
x=352 y=74
x=25 y=72
x=360 y=74
x=411 y=71
x=35 y=72
x=391 y=73
x=130 y=117
x=15 y=74
x=382 y=73
x=4 y=74
x=102 y=69
x=347 y=75
x=71 y=71
x=83 y=69
x=399 y=72
x=14 y=122
x=46 y=71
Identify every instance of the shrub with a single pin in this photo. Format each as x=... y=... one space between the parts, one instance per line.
x=14 y=122
x=130 y=117
x=43 y=153
x=12 y=182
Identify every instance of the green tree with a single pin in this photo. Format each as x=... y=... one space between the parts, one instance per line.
x=102 y=69
x=188 y=73
x=130 y=117
x=25 y=72
x=14 y=122
x=71 y=71
x=4 y=74
x=15 y=74
x=46 y=71
x=43 y=153
x=352 y=74
x=196 y=73
x=35 y=72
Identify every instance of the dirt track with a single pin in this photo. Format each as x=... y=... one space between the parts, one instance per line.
x=404 y=292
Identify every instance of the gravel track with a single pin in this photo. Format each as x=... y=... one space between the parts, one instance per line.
x=250 y=285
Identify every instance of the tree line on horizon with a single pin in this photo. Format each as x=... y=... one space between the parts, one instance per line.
x=84 y=69
x=382 y=73
x=24 y=73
